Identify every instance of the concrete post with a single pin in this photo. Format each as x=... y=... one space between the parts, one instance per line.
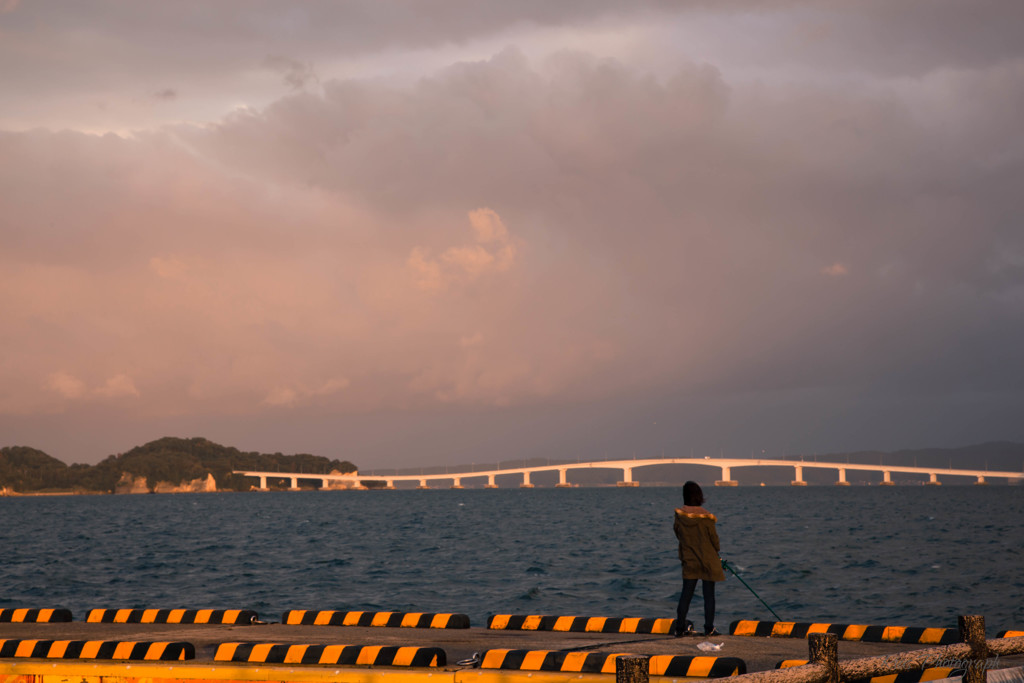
x=824 y=650
x=490 y=482
x=456 y=483
x=842 y=478
x=799 y=481
x=887 y=478
x=563 y=482
x=423 y=484
x=263 y=483
x=972 y=632
x=933 y=479
x=632 y=669
x=295 y=483
x=526 y=481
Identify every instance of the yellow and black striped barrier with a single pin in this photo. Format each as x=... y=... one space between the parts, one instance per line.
x=22 y=615
x=594 y=663
x=868 y=634
x=298 y=617
x=537 y=622
x=172 y=616
x=931 y=673
x=98 y=649
x=1010 y=634
x=347 y=655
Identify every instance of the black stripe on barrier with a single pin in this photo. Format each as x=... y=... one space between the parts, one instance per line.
x=383 y=619
x=98 y=649
x=850 y=632
x=39 y=616
x=345 y=655
x=931 y=673
x=595 y=663
x=172 y=616
x=541 y=622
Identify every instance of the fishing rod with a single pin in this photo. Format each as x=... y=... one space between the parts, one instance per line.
x=729 y=567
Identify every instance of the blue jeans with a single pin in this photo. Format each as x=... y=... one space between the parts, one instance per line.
x=708 y=589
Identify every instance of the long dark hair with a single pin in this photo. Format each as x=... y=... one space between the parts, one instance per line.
x=692 y=494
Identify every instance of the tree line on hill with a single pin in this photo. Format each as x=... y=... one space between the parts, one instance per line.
x=171 y=460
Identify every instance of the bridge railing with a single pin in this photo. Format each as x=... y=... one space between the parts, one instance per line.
x=973 y=654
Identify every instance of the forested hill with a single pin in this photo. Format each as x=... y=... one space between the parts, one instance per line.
x=171 y=460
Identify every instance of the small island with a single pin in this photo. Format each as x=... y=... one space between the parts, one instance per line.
x=167 y=465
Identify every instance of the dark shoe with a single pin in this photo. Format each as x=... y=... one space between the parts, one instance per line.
x=712 y=632
x=686 y=632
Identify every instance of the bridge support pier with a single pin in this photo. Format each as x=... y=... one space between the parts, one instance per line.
x=457 y=483
x=423 y=484
x=842 y=478
x=799 y=481
x=887 y=479
x=627 y=478
x=981 y=481
x=526 y=481
x=263 y=483
x=490 y=482
x=725 y=480
x=933 y=479
x=563 y=483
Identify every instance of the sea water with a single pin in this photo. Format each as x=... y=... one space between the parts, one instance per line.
x=901 y=555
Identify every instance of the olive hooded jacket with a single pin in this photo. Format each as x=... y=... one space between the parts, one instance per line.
x=698 y=545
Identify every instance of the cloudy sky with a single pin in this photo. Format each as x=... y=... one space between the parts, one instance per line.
x=416 y=233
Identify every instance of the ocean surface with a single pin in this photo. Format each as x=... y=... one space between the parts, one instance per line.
x=903 y=555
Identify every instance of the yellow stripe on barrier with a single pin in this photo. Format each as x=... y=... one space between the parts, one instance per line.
x=662 y=625
x=410 y=619
x=58 y=648
x=932 y=636
x=351 y=619
x=892 y=634
x=368 y=655
x=500 y=621
x=493 y=659
x=746 y=628
x=1013 y=634
x=94 y=617
x=818 y=628
x=149 y=616
x=203 y=616
x=440 y=620
x=574 y=661
x=260 y=652
x=225 y=652
x=156 y=651
x=563 y=623
x=20 y=614
x=331 y=654
x=783 y=628
x=294 y=654
x=405 y=655
x=25 y=648
x=91 y=649
x=609 y=663
x=531 y=623
x=45 y=614
x=629 y=625
x=534 y=660
x=175 y=616
x=596 y=624
x=380 y=618
x=123 y=651
x=854 y=632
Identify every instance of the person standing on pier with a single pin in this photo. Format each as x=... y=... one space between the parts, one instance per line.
x=698 y=552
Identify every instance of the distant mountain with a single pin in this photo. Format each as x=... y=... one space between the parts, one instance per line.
x=171 y=462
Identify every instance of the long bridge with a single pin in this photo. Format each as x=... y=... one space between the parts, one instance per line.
x=725 y=465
